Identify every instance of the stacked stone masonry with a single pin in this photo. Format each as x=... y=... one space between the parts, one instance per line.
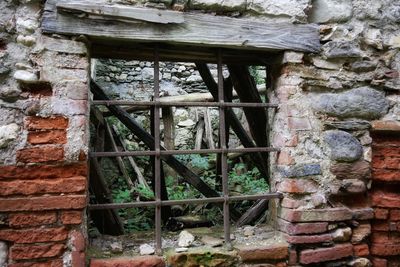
x=335 y=212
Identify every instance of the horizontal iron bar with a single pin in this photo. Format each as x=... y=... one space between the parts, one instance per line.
x=183 y=152
x=183 y=104
x=182 y=201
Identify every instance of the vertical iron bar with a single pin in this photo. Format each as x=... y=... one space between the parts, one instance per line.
x=157 y=159
x=224 y=163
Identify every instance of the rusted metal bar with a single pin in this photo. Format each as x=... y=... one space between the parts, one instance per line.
x=224 y=163
x=184 y=152
x=157 y=159
x=141 y=204
x=182 y=104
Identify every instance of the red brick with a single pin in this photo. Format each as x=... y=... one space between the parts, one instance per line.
x=316 y=215
x=386 y=126
x=386 y=163
x=361 y=250
x=385 y=249
x=31 y=187
x=385 y=199
x=36 y=235
x=395 y=215
x=292 y=257
x=53 y=263
x=78 y=259
x=78 y=241
x=381 y=214
x=71 y=217
x=31 y=219
x=143 y=261
x=302 y=228
x=377 y=262
x=326 y=254
x=19 y=252
x=309 y=239
x=47 y=137
x=259 y=253
x=292 y=203
x=43 y=203
x=49 y=123
x=40 y=154
x=43 y=171
x=284 y=158
x=385 y=151
x=386 y=175
x=385 y=238
x=297 y=186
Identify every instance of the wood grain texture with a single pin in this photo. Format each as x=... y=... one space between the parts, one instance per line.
x=197 y=30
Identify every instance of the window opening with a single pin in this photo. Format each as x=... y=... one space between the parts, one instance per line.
x=158 y=153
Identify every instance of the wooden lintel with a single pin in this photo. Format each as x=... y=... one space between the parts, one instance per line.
x=201 y=30
x=120 y=12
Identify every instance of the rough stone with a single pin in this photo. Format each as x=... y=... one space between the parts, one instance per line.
x=301 y=170
x=360 y=233
x=25 y=76
x=3 y=253
x=294 y=10
x=325 y=11
x=248 y=231
x=353 y=186
x=373 y=37
x=146 y=249
x=116 y=247
x=204 y=257
x=343 y=146
x=324 y=64
x=218 y=5
x=212 y=241
x=363 y=66
x=26 y=40
x=351 y=125
x=362 y=102
x=357 y=170
x=8 y=133
x=341 y=49
x=342 y=234
x=185 y=239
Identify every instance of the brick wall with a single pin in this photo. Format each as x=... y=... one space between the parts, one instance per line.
x=385 y=198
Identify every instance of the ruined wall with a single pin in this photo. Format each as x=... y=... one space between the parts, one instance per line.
x=327 y=102
x=43 y=142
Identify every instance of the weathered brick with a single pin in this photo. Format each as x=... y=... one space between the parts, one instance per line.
x=78 y=259
x=326 y=254
x=385 y=249
x=363 y=214
x=385 y=151
x=316 y=215
x=357 y=170
x=41 y=154
x=50 y=263
x=395 y=215
x=31 y=219
x=78 y=241
x=31 y=187
x=35 y=235
x=361 y=250
x=386 y=175
x=71 y=217
x=292 y=257
x=266 y=253
x=297 y=186
x=381 y=214
x=386 y=126
x=19 y=252
x=49 y=123
x=385 y=199
x=47 y=137
x=385 y=238
x=143 y=261
x=284 y=158
x=309 y=239
x=292 y=203
x=302 y=228
x=391 y=163
x=43 y=171
x=360 y=233
x=377 y=262
x=43 y=203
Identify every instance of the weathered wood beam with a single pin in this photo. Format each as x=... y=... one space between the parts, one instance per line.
x=197 y=30
x=120 y=12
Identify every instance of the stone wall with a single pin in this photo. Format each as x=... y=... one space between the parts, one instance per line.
x=327 y=104
x=43 y=142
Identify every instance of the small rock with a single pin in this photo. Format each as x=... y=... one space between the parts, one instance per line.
x=325 y=11
x=363 y=66
x=302 y=170
x=186 y=123
x=324 y=64
x=343 y=146
x=342 y=234
x=353 y=186
x=116 y=247
x=26 y=40
x=8 y=133
x=292 y=57
x=248 y=231
x=3 y=253
x=352 y=125
x=194 y=79
x=25 y=76
x=179 y=250
x=146 y=249
x=185 y=239
x=373 y=37
x=360 y=262
x=10 y=93
x=341 y=49
x=212 y=241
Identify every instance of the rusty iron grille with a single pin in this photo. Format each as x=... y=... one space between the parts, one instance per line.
x=158 y=152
